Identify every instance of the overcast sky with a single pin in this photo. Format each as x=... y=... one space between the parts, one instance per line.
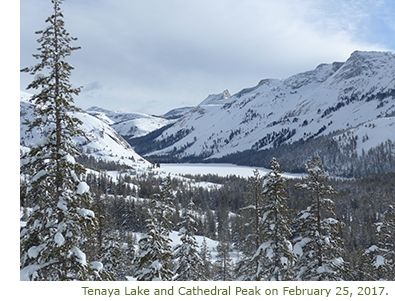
x=153 y=55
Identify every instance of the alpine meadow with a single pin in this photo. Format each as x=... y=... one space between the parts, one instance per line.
x=289 y=180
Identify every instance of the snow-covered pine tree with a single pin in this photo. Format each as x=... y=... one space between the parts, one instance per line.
x=383 y=255
x=113 y=256
x=58 y=226
x=378 y=261
x=223 y=266
x=247 y=266
x=205 y=254
x=317 y=247
x=223 y=263
x=163 y=206
x=154 y=254
x=275 y=255
x=189 y=266
x=155 y=258
x=364 y=267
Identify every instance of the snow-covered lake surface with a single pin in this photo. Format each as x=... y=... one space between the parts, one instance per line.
x=216 y=169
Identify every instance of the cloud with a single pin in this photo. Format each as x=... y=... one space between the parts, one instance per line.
x=92 y=87
x=156 y=55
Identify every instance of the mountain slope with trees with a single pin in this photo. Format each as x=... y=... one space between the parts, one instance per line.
x=349 y=106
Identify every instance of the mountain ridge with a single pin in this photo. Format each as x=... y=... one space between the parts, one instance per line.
x=101 y=141
x=129 y=125
x=345 y=107
x=336 y=97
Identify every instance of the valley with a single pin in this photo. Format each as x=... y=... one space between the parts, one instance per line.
x=342 y=112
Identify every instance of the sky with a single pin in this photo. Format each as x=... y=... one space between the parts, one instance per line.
x=152 y=56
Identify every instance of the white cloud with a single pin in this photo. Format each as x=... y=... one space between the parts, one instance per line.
x=156 y=55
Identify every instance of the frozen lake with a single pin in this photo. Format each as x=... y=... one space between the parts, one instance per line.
x=216 y=169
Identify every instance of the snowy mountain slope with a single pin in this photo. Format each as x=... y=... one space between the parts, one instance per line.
x=111 y=116
x=211 y=99
x=332 y=97
x=215 y=99
x=129 y=124
x=177 y=113
x=369 y=134
x=140 y=126
x=104 y=142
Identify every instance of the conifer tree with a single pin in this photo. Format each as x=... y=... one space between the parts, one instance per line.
x=318 y=247
x=382 y=256
x=247 y=267
x=205 y=254
x=365 y=268
x=111 y=248
x=59 y=225
x=114 y=257
x=155 y=258
x=163 y=206
x=154 y=253
x=275 y=255
x=190 y=266
x=223 y=263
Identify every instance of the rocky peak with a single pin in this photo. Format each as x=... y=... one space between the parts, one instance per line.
x=215 y=98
